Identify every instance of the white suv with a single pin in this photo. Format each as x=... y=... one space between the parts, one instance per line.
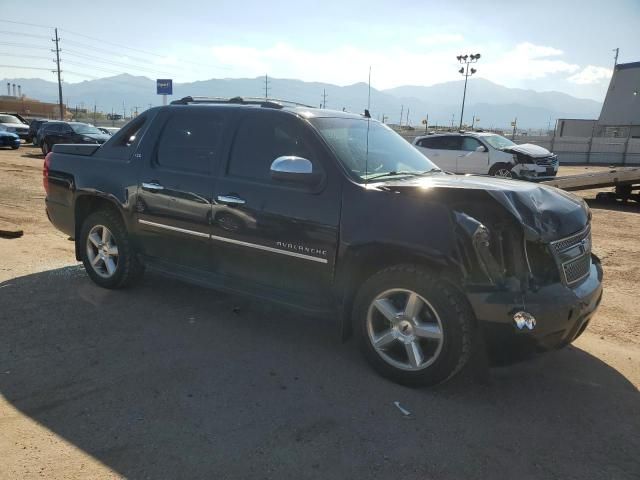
x=488 y=154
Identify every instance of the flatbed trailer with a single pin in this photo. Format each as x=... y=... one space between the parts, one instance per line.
x=625 y=180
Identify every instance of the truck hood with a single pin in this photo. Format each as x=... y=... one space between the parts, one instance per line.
x=534 y=151
x=546 y=213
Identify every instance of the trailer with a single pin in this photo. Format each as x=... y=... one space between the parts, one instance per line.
x=626 y=182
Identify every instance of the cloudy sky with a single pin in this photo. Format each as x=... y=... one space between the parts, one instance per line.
x=544 y=45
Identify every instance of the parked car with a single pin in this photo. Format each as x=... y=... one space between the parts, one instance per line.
x=53 y=133
x=488 y=154
x=335 y=214
x=14 y=125
x=108 y=130
x=8 y=139
x=34 y=126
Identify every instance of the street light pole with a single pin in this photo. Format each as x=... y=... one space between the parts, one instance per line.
x=467 y=72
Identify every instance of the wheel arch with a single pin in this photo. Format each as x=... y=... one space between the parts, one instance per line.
x=362 y=261
x=87 y=203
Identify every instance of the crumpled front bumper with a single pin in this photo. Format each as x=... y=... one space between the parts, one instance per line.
x=561 y=313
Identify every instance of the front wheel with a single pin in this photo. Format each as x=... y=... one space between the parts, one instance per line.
x=412 y=327
x=502 y=170
x=106 y=251
x=45 y=147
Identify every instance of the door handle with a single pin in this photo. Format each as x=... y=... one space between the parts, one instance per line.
x=152 y=186
x=230 y=200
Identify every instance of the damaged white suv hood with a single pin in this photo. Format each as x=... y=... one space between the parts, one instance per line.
x=534 y=151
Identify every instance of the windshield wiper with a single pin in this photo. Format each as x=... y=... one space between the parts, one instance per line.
x=401 y=173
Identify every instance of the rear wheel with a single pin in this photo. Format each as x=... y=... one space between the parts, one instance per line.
x=106 y=251
x=501 y=170
x=412 y=327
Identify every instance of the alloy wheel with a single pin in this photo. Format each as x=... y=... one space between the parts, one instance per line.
x=404 y=329
x=503 y=172
x=102 y=251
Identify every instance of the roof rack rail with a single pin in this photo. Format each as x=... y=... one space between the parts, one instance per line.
x=267 y=103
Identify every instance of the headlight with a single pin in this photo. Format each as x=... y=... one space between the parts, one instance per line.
x=481 y=241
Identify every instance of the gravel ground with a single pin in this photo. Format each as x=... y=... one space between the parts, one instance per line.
x=168 y=380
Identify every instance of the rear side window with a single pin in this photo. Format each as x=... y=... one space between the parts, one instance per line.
x=263 y=137
x=189 y=141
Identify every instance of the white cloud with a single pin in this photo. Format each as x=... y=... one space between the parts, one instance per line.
x=440 y=39
x=590 y=75
x=526 y=62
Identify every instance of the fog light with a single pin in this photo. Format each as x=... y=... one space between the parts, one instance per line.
x=524 y=320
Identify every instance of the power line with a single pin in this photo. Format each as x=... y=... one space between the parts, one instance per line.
x=22 y=34
x=36 y=57
x=23 y=45
x=96 y=59
x=25 y=67
x=25 y=23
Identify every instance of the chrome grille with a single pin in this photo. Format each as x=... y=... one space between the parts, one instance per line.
x=573 y=256
x=551 y=161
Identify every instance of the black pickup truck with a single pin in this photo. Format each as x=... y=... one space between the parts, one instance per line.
x=335 y=214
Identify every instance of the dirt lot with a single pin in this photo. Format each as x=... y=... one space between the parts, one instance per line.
x=167 y=380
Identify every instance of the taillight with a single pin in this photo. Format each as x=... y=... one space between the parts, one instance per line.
x=45 y=172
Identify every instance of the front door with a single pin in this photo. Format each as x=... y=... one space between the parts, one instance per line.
x=272 y=236
x=470 y=159
x=176 y=186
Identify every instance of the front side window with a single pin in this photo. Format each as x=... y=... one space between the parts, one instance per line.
x=261 y=138
x=470 y=144
x=189 y=141
x=368 y=148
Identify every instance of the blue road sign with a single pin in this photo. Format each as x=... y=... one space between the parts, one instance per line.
x=164 y=86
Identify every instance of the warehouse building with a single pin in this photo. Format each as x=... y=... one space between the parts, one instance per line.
x=620 y=114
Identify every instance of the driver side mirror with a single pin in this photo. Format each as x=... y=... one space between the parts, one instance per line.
x=294 y=169
x=481 y=148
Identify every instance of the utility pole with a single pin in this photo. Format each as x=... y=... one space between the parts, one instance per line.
x=466 y=60
x=401 y=114
x=124 y=111
x=95 y=107
x=615 y=59
x=514 y=124
x=324 y=98
x=407 y=117
x=266 y=86
x=369 y=96
x=57 y=50
x=136 y=107
x=113 y=117
x=453 y=116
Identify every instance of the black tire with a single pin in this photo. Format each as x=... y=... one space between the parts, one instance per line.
x=45 y=147
x=498 y=170
x=128 y=268
x=456 y=317
x=15 y=147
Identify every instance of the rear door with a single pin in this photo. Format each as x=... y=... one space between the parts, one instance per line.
x=448 y=146
x=176 y=185
x=470 y=160
x=277 y=238
x=432 y=147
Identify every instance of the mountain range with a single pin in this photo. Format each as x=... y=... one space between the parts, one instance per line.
x=495 y=105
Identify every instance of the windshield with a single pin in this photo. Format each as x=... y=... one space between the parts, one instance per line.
x=84 y=128
x=9 y=119
x=370 y=149
x=498 y=142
